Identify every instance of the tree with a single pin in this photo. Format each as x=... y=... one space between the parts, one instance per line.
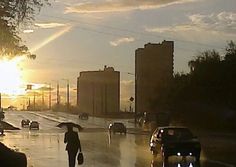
x=230 y=51
x=203 y=59
x=14 y=13
x=230 y=73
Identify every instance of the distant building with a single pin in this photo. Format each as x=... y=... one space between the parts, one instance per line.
x=153 y=70
x=98 y=92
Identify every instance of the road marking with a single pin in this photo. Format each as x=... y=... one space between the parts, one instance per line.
x=220 y=163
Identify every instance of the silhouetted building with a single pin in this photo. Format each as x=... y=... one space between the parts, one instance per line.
x=153 y=70
x=99 y=91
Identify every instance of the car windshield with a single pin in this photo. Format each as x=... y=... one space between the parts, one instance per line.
x=176 y=134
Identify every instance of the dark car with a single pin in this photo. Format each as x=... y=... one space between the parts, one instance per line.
x=25 y=123
x=177 y=141
x=1 y=130
x=83 y=116
x=2 y=114
x=34 y=125
x=117 y=127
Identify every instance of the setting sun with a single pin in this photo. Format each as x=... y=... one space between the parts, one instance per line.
x=10 y=73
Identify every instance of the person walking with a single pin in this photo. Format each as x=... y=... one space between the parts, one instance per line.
x=73 y=145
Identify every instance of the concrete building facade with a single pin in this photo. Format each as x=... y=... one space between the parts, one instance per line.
x=153 y=70
x=98 y=92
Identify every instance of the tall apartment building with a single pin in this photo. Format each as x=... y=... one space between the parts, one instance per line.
x=98 y=92
x=153 y=69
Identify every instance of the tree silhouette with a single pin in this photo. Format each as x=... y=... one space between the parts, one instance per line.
x=14 y=13
x=206 y=92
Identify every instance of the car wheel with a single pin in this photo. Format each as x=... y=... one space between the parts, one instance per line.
x=197 y=157
x=154 y=152
x=165 y=159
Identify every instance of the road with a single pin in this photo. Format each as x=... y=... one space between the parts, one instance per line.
x=45 y=147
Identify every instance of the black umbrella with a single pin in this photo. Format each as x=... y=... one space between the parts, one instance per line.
x=69 y=124
x=6 y=126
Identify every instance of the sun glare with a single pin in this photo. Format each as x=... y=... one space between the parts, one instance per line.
x=10 y=74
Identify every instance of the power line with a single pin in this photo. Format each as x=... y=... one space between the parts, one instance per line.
x=118 y=35
x=130 y=31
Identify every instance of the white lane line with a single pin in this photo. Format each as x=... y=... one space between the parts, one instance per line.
x=45 y=117
x=220 y=163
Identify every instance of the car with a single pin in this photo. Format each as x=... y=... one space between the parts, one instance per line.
x=34 y=125
x=1 y=130
x=83 y=116
x=2 y=114
x=178 y=141
x=117 y=127
x=25 y=123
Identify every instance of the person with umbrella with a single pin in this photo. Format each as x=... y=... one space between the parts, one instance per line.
x=72 y=144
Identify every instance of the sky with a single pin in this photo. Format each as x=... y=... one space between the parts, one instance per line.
x=71 y=36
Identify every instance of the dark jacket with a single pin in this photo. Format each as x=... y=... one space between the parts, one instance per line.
x=72 y=140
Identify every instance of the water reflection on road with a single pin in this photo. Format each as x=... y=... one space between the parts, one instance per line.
x=46 y=148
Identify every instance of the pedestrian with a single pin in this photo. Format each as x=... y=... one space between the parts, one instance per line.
x=73 y=145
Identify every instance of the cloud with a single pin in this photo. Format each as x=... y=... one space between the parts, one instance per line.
x=51 y=38
x=224 y=22
x=121 y=5
x=49 y=25
x=122 y=40
x=28 y=31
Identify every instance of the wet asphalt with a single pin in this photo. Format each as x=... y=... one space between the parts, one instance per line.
x=45 y=147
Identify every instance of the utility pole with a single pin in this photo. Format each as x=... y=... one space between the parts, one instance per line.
x=68 y=95
x=29 y=102
x=50 y=97
x=93 y=99
x=58 y=100
x=135 y=95
x=42 y=99
x=34 y=100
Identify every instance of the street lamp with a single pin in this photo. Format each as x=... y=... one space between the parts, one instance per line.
x=68 y=93
x=58 y=92
x=50 y=97
x=29 y=87
x=132 y=99
x=49 y=88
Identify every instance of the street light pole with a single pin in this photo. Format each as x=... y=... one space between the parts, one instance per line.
x=50 y=97
x=135 y=94
x=58 y=98
x=34 y=100
x=42 y=107
x=67 y=93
